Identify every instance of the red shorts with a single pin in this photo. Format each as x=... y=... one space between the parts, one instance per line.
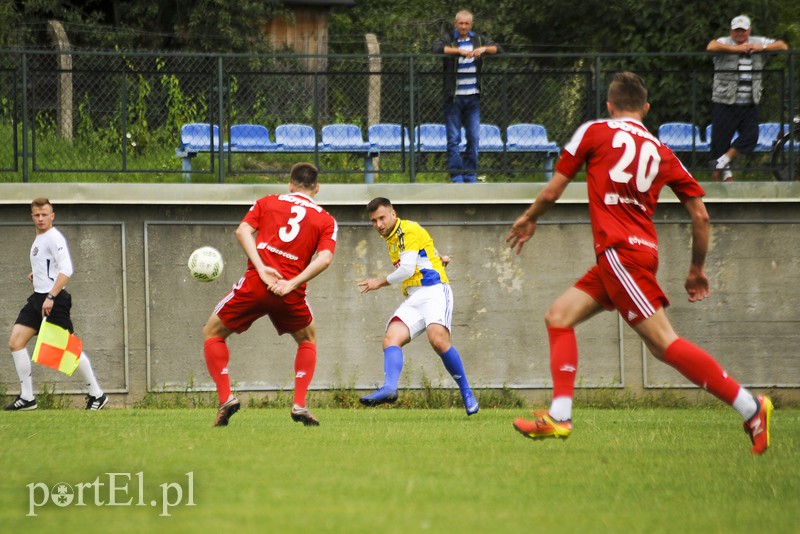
x=250 y=300
x=625 y=280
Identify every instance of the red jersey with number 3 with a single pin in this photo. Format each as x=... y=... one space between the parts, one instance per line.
x=626 y=167
x=291 y=229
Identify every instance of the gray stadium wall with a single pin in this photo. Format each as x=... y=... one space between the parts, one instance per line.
x=140 y=314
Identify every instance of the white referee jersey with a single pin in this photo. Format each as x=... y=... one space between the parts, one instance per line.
x=49 y=256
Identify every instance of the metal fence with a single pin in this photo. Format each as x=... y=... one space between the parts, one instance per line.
x=93 y=116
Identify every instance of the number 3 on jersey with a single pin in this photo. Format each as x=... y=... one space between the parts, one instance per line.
x=646 y=166
x=292 y=228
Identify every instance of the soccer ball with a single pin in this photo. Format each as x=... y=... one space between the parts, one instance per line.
x=205 y=264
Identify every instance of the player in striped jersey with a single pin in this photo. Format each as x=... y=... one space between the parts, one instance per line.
x=626 y=168
x=419 y=270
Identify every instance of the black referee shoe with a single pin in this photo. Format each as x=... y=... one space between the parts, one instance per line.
x=21 y=405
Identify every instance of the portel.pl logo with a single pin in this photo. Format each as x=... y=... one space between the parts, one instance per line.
x=112 y=489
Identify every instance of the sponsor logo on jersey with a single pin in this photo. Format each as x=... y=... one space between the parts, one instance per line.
x=279 y=252
x=612 y=199
x=633 y=240
x=401 y=238
x=634 y=129
x=300 y=201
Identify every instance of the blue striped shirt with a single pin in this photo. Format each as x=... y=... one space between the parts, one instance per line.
x=467 y=79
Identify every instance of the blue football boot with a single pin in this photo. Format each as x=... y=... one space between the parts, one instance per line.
x=383 y=396
x=470 y=402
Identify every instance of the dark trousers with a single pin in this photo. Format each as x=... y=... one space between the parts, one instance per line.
x=727 y=120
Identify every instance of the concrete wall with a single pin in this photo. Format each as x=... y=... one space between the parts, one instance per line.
x=140 y=314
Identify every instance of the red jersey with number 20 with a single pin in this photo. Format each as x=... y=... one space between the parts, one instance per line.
x=626 y=167
x=291 y=229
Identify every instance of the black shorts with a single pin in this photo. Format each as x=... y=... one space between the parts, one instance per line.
x=31 y=314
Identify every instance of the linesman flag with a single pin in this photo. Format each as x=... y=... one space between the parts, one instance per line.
x=57 y=348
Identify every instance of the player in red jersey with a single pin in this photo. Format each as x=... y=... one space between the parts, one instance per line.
x=626 y=168
x=280 y=235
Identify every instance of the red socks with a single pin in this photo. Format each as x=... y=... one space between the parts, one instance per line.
x=689 y=359
x=563 y=360
x=217 y=356
x=304 y=364
x=702 y=369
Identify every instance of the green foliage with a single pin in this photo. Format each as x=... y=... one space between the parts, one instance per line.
x=576 y=27
x=429 y=396
x=180 y=399
x=180 y=109
x=202 y=25
x=48 y=399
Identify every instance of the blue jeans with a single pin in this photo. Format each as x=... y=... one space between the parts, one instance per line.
x=463 y=111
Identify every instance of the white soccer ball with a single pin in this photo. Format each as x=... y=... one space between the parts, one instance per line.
x=205 y=264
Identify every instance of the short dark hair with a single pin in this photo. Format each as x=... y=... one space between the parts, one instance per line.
x=304 y=175
x=40 y=202
x=627 y=91
x=376 y=203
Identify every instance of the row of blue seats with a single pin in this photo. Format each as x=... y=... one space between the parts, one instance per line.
x=384 y=137
x=678 y=136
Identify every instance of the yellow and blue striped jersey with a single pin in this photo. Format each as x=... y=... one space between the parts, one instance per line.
x=408 y=236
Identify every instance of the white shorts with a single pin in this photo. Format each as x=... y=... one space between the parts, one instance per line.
x=426 y=305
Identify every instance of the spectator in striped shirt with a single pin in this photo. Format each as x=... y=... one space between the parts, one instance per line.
x=463 y=51
x=738 y=64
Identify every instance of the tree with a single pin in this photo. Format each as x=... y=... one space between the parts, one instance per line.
x=196 y=26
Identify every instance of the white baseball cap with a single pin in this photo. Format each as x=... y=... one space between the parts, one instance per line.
x=742 y=22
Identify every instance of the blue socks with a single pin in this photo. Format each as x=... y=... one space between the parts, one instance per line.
x=452 y=362
x=392 y=366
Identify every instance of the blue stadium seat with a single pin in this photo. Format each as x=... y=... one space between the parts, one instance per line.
x=295 y=138
x=528 y=137
x=251 y=138
x=768 y=132
x=678 y=137
x=343 y=138
x=196 y=137
x=387 y=137
x=490 y=138
x=433 y=138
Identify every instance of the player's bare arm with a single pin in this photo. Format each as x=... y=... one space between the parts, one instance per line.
x=371 y=284
x=697 y=285
x=245 y=234
x=525 y=226
x=58 y=285
x=317 y=265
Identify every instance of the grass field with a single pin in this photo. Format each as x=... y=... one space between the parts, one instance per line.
x=396 y=470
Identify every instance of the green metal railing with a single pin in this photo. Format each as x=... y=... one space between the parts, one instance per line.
x=118 y=117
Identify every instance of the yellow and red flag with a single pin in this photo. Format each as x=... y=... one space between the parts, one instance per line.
x=57 y=348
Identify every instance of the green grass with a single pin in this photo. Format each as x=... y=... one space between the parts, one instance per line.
x=402 y=470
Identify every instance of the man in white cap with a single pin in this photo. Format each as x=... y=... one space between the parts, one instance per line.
x=738 y=62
